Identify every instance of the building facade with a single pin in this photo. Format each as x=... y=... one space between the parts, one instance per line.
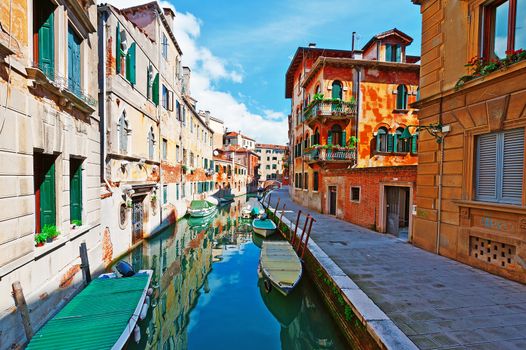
x=470 y=187
x=50 y=156
x=272 y=162
x=234 y=138
x=349 y=111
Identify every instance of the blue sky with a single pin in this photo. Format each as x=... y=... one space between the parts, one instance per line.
x=239 y=51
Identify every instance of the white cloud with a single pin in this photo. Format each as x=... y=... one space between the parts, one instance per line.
x=207 y=69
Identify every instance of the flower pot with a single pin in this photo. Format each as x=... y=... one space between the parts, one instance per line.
x=39 y=244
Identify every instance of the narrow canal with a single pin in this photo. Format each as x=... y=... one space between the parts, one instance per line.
x=208 y=294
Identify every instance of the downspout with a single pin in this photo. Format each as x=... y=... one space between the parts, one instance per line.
x=358 y=110
x=440 y=173
x=102 y=97
x=159 y=13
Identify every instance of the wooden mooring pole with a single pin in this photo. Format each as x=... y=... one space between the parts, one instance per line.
x=303 y=232
x=276 y=209
x=20 y=302
x=295 y=228
x=84 y=263
x=308 y=236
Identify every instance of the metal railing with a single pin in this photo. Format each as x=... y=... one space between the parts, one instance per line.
x=328 y=107
x=64 y=83
x=330 y=154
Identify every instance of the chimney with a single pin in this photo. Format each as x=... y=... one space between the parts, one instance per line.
x=170 y=16
x=312 y=45
x=207 y=117
x=186 y=80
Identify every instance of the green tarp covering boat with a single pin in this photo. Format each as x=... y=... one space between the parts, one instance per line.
x=200 y=208
x=264 y=227
x=102 y=316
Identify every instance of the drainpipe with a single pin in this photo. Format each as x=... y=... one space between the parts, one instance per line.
x=358 y=110
x=159 y=14
x=440 y=173
x=102 y=97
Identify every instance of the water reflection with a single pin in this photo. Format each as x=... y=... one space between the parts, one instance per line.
x=208 y=293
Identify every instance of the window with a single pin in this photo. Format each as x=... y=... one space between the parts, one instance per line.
x=44 y=36
x=149 y=80
x=177 y=153
x=123 y=134
x=74 y=69
x=75 y=190
x=183 y=190
x=414 y=144
x=401 y=97
x=393 y=53
x=315 y=181
x=268 y=167
x=499 y=167
x=165 y=100
x=164 y=43
x=151 y=143
x=177 y=191
x=336 y=136
x=165 y=149
x=382 y=140
x=44 y=185
x=155 y=90
x=337 y=91
x=178 y=110
x=401 y=145
x=131 y=64
x=355 y=194
x=306 y=181
x=165 y=194
x=504 y=28
x=274 y=166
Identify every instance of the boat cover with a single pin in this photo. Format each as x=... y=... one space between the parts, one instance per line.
x=264 y=224
x=280 y=262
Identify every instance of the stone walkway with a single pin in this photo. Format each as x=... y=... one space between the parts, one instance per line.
x=437 y=302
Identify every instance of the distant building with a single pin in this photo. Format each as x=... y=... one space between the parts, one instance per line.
x=217 y=126
x=272 y=162
x=233 y=138
x=349 y=112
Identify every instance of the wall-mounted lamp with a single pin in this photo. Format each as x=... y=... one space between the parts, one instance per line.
x=438 y=131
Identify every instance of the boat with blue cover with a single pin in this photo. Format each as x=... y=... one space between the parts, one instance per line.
x=264 y=227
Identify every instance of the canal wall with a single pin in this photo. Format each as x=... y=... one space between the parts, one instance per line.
x=362 y=322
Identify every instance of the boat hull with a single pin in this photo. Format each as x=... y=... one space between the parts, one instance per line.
x=264 y=228
x=280 y=266
x=264 y=232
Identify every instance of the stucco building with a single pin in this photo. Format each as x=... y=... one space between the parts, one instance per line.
x=272 y=162
x=470 y=188
x=349 y=110
x=49 y=156
x=233 y=138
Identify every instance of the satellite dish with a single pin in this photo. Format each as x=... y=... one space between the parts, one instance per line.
x=124 y=43
x=216 y=152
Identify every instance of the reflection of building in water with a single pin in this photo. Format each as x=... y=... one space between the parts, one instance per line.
x=181 y=260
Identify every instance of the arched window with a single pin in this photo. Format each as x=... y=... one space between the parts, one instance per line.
x=316 y=137
x=337 y=91
x=318 y=89
x=306 y=141
x=401 y=145
x=401 y=97
x=151 y=143
x=336 y=136
x=382 y=140
x=123 y=133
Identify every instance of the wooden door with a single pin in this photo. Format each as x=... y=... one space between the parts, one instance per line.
x=75 y=190
x=393 y=209
x=333 y=195
x=137 y=219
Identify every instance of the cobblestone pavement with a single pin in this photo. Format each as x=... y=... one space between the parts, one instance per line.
x=437 y=302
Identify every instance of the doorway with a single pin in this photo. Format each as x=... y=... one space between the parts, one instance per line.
x=397 y=208
x=137 y=219
x=333 y=194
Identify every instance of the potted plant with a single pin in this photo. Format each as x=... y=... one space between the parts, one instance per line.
x=76 y=223
x=40 y=239
x=50 y=232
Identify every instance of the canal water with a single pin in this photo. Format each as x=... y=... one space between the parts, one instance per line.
x=208 y=294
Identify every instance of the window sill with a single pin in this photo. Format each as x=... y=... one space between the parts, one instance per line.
x=49 y=247
x=400 y=111
x=506 y=208
x=78 y=231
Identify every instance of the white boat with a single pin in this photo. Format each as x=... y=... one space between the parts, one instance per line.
x=264 y=227
x=201 y=208
x=280 y=266
x=212 y=200
x=251 y=209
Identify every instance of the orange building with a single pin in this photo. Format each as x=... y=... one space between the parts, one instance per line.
x=471 y=203
x=349 y=110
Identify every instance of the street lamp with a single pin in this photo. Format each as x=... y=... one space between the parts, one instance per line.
x=438 y=131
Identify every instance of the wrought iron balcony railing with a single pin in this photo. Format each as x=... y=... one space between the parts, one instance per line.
x=335 y=154
x=329 y=108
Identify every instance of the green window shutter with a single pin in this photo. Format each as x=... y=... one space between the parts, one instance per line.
x=390 y=143
x=130 y=64
x=388 y=53
x=73 y=62
x=47 y=197
x=46 y=37
x=75 y=191
x=414 y=144
x=329 y=138
x=398 y=53
x=344 y=139
x=395 y=143
x=155 y=89
x=118 y=48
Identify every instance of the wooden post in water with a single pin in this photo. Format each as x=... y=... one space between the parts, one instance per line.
x=295 y=229
x=20 y=302
x=84 y=263
x=303 y=232
x=308 y=236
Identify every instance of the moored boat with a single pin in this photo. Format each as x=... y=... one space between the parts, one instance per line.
x=201 y=208
x=264 y=227
x=280 y=266
x=102 y=316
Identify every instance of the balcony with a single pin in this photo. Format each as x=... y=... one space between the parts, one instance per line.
x=330 y=155
x=322 y=110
